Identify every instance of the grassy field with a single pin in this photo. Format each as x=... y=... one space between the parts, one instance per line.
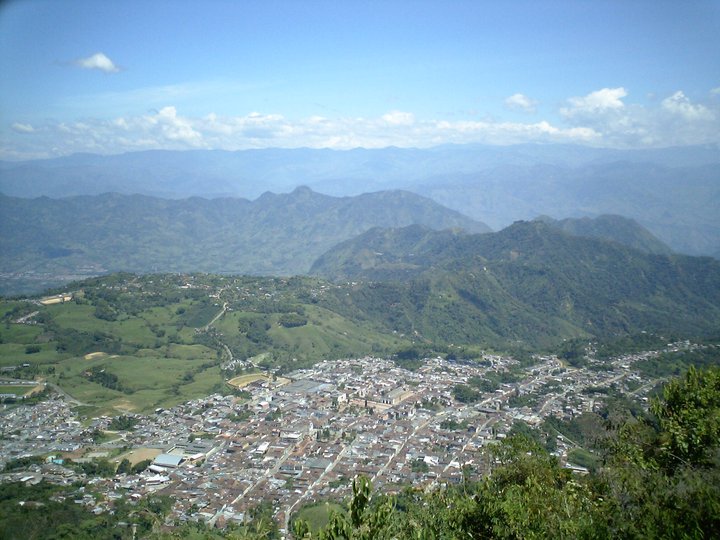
x=317 y=515
x=135 y=345
x=147 y=382
x=17 y=390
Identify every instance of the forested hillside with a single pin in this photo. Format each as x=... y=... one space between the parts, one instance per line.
x=529 y=283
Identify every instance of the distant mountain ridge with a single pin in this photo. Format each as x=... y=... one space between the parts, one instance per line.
x=610 y=227
x=673 y=192
x=249 y=173
x=277 y=234
x=529 y=282
x=676 y=204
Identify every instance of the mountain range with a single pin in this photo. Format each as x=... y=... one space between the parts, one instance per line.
x=276 y=234
x=673 y=192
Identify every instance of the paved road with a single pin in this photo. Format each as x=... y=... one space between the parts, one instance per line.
x=216 y=317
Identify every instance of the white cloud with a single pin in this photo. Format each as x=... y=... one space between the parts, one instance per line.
x=168 y=129
x=520 y=102
x=715 y=91
x=22 y=128
x=679 y=104
x=674 y=121
x=97 y=61
x=399 y=118
x=598 y=101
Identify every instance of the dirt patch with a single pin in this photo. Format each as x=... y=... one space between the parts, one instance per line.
x=94 y=355
x=243 y=380
x=49 y=300
x=125 y=406
x=138 y=455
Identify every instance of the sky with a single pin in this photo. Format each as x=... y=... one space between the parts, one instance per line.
x=116 y=76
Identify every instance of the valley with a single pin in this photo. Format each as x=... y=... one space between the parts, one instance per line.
x=312 y=270
x=255 y=397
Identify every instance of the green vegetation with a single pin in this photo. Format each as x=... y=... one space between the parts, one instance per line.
x=95 y=467
x=465 y=394
x=17 y=390
x=583 y=458
x=317 y=515
x=528 y=284
x=614 y=228
x=454 y=425
x=46 y=511
x=123 y=423
x=22 y=463
x=419 y=466
x=273 y=235
x=157 y=350
x=677 y=363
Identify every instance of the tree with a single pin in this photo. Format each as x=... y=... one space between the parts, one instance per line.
x=141 y=466
x=464 y=394
x=689 y=417
x=125 y=467
x=364 y=522
x=663 y=477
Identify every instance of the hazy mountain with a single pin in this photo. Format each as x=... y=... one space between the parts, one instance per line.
x=678 y=205
x=609 y=227
x=673 y=192
x=529 y=282
x=249 y=173
x=275 y=234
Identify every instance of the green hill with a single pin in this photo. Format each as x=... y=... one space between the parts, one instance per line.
x=529 y=283
x=134 y=343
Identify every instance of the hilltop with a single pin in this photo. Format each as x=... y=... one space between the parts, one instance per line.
x=614 y=228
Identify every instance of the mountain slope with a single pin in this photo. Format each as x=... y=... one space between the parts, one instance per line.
x=610 y=227
x=275 y=234
x=529 y=282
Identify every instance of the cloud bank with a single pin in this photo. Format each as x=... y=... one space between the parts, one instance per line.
x=600 y=118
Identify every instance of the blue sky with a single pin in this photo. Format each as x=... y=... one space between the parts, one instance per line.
x=115 y=76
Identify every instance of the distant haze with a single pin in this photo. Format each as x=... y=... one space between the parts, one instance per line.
x=673 y=192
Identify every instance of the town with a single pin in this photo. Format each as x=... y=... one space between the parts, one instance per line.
x=302 y=437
